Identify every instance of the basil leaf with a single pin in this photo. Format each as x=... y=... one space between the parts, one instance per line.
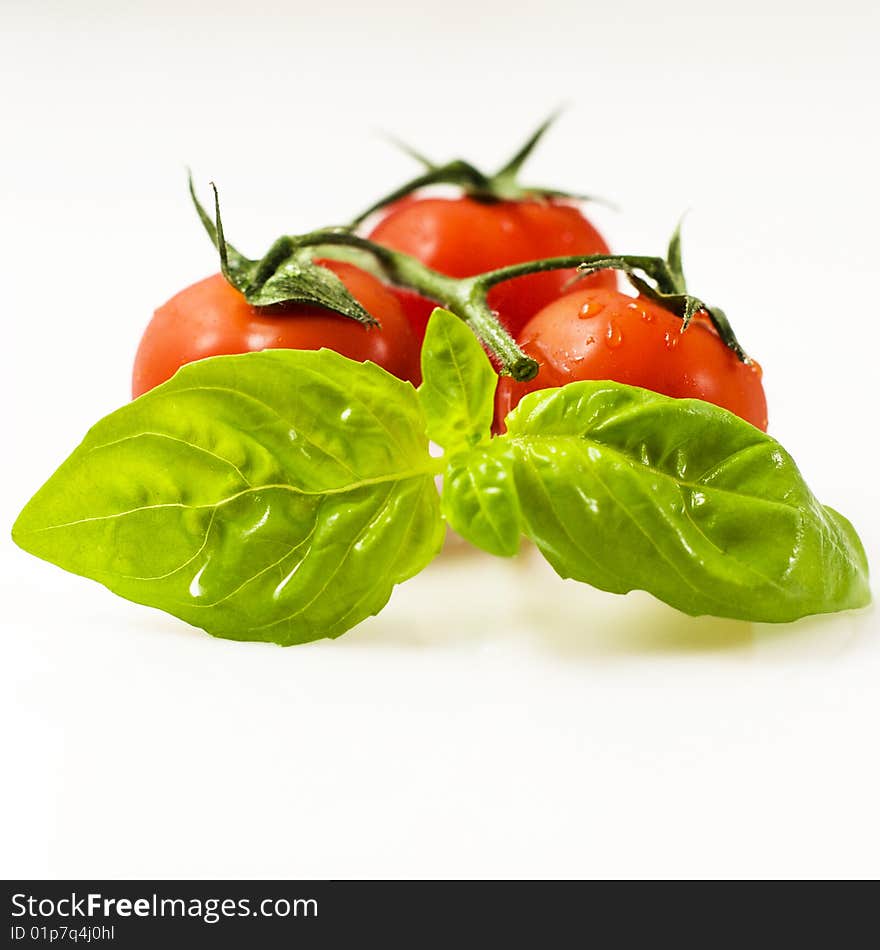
x=458 y=390
x=480 y=500
x=623 y=488
x=458 y=396
x=269 y=496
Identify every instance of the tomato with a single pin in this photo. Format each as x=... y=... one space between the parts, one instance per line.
x=463 y=236
x=416 y=308
x=603 y=334
x=211 y=318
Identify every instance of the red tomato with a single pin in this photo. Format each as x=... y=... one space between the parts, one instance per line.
x=463 y=236
x=212 y=318
x=603 y=334
x=416 y=308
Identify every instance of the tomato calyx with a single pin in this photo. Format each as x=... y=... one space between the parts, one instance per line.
x=660 y=279
x=285 y=274
x=670 y=291
x=502 y=185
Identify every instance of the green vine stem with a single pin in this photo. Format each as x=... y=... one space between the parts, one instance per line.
x=287 y=273
x=467 y=297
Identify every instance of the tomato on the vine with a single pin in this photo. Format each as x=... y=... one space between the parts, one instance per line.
x=604 y=334
x=212 y=318
x=465 y=236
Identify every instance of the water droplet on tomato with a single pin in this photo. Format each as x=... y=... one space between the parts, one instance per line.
x=636 y=308
x=671 y=340
x=590 y=309
x=613 y=336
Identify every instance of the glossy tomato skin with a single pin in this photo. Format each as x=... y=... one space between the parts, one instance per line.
x=417 y=310
x=462 y=237
x=212 y=318
x=603 y=334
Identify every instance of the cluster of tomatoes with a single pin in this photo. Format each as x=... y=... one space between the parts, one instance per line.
x=586 y=330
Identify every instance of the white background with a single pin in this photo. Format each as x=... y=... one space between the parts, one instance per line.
x=493 y=721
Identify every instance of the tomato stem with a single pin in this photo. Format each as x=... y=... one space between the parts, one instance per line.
x=466 y=297
x=668 y=289
x=586 y=264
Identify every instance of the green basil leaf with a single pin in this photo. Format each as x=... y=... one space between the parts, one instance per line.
x=269 y=496
x=458 y=387
x=623 y=488
x=480 y=500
